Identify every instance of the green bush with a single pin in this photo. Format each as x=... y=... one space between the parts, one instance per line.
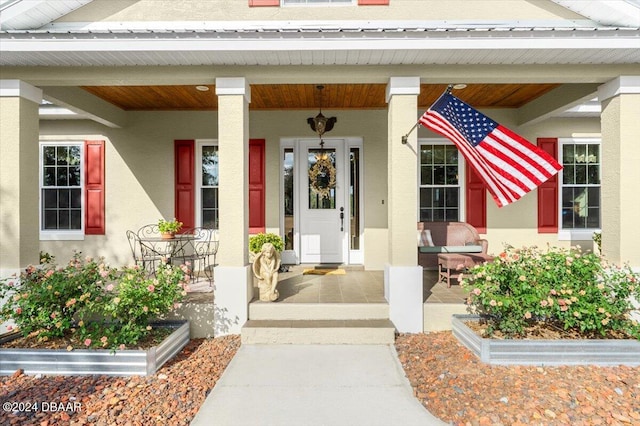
x=47 y=299
x=561 y=287
x=90 y=302
x=256 y=242
x=134 y=300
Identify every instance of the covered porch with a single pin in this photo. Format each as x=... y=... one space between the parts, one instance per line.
x=176 y=134
x=357 y=294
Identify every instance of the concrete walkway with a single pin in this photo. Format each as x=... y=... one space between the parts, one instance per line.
x=332 y=385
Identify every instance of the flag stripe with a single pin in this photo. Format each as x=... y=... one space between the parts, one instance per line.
x=541 y=159
x=505 y=167
x=507 y=163
x=501 y=195
x=514 y=158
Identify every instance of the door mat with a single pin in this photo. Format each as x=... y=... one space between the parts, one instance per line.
x=326 y=271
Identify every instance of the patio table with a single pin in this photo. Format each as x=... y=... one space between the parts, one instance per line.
x=169 y=248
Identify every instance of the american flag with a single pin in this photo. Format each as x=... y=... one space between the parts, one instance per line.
x=509 y=165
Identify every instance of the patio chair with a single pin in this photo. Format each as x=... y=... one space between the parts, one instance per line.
x=203 y=250
x=143 y=256
x=151 y=230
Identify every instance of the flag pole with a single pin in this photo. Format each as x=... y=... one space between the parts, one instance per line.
x=405 y=138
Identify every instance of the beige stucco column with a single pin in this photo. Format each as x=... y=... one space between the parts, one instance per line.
x=620 y=121
x=233 y=288
x=19 y=244
x=403 y=276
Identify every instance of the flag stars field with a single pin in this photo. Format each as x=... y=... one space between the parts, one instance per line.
x=509 y=165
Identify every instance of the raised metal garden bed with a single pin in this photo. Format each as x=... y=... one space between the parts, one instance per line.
x=97 y=361
x=603 y=352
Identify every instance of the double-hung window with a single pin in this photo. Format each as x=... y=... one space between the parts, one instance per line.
x=439 y=182
x=580 y=188
x=61 y=190
x=72 y=189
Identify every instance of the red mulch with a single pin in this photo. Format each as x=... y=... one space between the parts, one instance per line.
x=172 y=396
x=456 y=387
x=449 y=381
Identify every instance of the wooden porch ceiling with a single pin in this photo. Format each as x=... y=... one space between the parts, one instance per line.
x=306 y=96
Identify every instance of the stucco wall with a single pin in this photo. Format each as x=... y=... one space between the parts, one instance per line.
x=18 y=214
x=139 y=173
x=140 y=176
x=139 y=170
x=225 y=10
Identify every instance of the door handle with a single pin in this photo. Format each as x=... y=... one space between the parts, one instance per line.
x=341 y=219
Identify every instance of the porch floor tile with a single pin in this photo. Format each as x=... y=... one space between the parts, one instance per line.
x=356 y=286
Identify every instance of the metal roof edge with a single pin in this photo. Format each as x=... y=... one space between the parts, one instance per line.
x=310 y=25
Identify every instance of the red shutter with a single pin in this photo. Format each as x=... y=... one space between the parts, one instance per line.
x=476 y=200
x=548 y=193
x=258 y=3
x=373 y=2
x=256 y=186
x=94 y=219
x=185 y=182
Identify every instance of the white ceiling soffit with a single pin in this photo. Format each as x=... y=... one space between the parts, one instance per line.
x=340 y=43
x=619 y=13
x=32 y=14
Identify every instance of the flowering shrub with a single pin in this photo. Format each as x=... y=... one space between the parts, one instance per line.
x=138 y=298
x=47 y=299
x=561 y=287
x=92 y=303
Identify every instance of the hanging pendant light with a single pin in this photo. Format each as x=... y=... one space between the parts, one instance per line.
x=322 y=175
x=321 y=124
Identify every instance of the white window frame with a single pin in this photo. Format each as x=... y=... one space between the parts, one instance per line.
x=356 y=257
x=200 y=143
x=60 y=234
x=289 y=143
x=583 y=234
x=462 y=215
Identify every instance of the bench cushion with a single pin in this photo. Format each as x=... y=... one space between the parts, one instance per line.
x=451 y=249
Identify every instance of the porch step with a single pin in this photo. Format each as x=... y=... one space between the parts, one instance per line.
x=330 y=332
x=317 y=311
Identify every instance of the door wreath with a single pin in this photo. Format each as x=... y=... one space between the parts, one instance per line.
x=322 y=177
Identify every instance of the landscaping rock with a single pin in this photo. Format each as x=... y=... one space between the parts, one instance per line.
x=575 y=395
x=102 y=400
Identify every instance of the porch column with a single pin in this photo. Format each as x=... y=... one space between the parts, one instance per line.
x=19 y=236
x=233 y=286
x=620 y=100
x=403 y=275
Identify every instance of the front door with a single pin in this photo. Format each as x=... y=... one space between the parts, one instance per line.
x=323 y=211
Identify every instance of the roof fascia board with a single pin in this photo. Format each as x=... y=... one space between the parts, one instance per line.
x=555 y=102
x=310 y=74
x=305 y=42
x=86 y=105
x=310 y=25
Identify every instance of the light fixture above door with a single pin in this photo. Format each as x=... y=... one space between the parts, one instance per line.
x=321 y=124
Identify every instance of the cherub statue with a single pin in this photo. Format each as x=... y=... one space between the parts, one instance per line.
x=265 y=268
